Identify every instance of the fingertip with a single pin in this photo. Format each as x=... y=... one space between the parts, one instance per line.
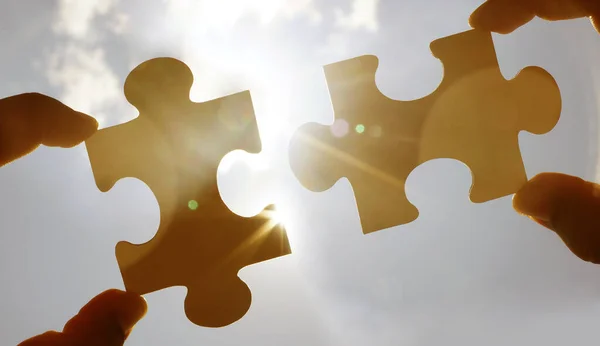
x=500 y=16
x=87 y=123
x=127 y=307
x=131 y=308
x=71 y=129
x=569 y=206
x=85 y=126
x=63 y=126
x=477 y=20
x=111 y=315
x=541 y=195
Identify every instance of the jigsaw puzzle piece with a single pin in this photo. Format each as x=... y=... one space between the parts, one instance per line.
x=378 y=187
x=477 y=114
x=474 y=116
x=175 y=147
x=216 y=296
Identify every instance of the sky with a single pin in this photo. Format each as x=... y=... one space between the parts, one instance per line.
x=462 y=274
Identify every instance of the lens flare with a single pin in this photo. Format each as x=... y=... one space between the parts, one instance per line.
x=193 y=205
x=360 y=128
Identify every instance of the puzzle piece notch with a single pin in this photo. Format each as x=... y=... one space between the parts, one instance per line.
x=175 y=146
x=474 y=116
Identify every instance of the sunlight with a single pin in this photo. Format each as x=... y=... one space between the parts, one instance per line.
x=272 y=221
x=274 y=129
x=223 y=15
x=276 y=218
x=224 y=70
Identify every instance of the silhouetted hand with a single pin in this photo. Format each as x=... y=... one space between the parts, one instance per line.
x=567 y=205
x=26 y=122
x=105 y=321
x=505 y=16
x=29 y=120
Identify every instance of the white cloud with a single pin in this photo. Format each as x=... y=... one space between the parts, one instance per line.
x=336 y=46
x=222 y=15
x=363 y=15
x=119 y=23
x=196 y=24
x=88 y=83
x=79 y=67
x=76 y=17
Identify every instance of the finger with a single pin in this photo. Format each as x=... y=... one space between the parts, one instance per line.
x=28 y=120
x=107 y=319
x=501 y=16
x=505 y=16
x=60 y=125
x=562 y=9
x=567 y=205
x=46 y=339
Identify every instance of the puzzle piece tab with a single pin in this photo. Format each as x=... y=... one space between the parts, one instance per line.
x=175 y=147
x=474 y=116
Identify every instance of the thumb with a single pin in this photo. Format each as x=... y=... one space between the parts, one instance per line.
x=505 y=16
x=567 y=205
x=106 y=320
x=502 y=16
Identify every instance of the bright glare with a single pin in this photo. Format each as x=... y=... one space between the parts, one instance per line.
x=223 y=15
x=276 y=218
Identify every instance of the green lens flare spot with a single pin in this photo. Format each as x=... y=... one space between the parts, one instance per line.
x=360 y=128
x=193 y=205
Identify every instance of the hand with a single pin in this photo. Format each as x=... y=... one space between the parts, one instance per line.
x=106 y=320
x=29 y=120
x=567 y=205
x=505 y=16
x=26 y=122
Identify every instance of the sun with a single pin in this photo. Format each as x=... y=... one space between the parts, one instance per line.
x=276 y=218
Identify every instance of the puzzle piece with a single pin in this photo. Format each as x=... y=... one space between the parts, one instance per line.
x=474 y=116
x=175 y=147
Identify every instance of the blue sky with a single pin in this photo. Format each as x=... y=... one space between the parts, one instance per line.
x=462 y=274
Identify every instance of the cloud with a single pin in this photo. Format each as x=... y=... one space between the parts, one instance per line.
x=88 y=83
x=222 y=15
x=363 y=15
x=195 y=25
x=78 y=66
x=75 y=18
x=119 y=23
x=337 y=45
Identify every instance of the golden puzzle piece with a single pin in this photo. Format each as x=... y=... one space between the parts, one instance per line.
x=175 y=147
x=474 y=116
